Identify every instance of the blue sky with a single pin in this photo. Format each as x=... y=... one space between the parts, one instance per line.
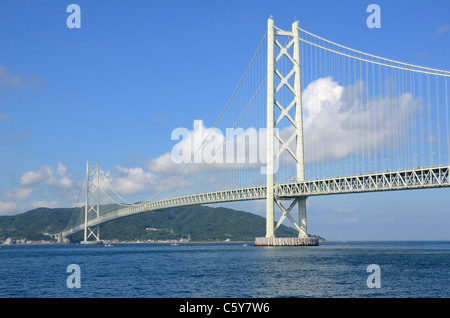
x=114 y=90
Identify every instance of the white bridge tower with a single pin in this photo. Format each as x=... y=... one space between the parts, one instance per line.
x=92 y=206
x=290 y=49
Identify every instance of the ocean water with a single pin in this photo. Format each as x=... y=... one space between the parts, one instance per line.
x=222 y=270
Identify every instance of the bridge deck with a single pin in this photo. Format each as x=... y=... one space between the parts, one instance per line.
x=419 y=178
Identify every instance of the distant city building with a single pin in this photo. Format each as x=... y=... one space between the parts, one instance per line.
x=8 y=241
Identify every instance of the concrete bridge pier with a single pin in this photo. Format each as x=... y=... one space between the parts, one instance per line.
x=287 y=241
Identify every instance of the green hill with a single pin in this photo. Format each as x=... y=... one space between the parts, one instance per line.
x=32 y=224
x=199 y=223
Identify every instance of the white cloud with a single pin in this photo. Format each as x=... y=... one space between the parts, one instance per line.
x=333 y=117
x=18 y=81
x=45 y=175
x=225 y=152
x=163 y=164
x=45 y=187
x=19 y=194
x=7 y=207
x=131 y=181
x=51 y=187
x=32 y=178
x=335 y=114
x=220 y=149
x=62 y=170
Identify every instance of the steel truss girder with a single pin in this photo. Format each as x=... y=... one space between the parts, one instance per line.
x=384 y=181
x=420 y=178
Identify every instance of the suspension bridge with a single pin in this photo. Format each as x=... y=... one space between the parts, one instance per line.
x=309 y=117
